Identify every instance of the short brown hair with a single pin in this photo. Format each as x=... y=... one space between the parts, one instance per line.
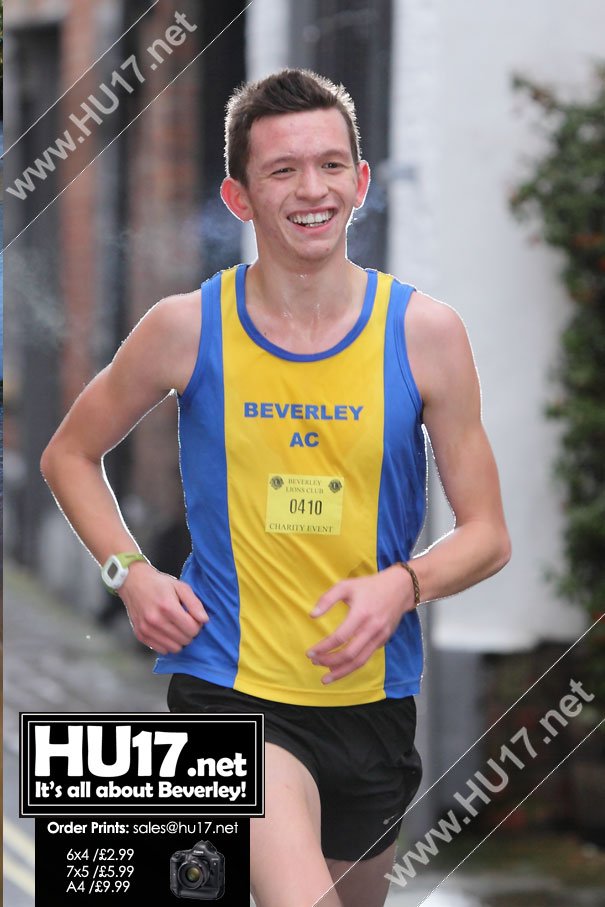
x=288 y=91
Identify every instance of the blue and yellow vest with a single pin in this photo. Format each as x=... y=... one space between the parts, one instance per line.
x=298 y=471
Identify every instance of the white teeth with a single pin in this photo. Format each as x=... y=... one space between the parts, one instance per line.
x=309 y=219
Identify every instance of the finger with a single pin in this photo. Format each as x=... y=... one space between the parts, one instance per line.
x=344 y=670
x=161 y=639
x=337 y=593
x=344 y=655
x=341 y=635
x=166 y=647
x=191 y=602
x=168 y=625
x=160 y=643
x=159 y=630
x=183 y=627
x=180 y=622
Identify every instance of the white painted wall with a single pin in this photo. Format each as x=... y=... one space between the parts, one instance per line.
x=457 y=123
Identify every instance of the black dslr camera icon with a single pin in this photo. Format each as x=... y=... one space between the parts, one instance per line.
x=199 y=873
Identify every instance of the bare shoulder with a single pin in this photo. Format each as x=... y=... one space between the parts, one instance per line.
x=175 y=316
x=438 y=346
x=166 y=340
x=430 y=321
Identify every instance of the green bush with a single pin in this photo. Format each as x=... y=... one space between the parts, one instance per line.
x=566 y=193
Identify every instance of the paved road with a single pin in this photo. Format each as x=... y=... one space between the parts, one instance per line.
x=56 y=660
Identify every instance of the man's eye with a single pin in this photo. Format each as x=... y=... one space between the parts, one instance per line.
x=333 y=165
x=282 y=170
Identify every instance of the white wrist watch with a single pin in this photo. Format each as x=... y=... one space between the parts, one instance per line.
x=115 y=569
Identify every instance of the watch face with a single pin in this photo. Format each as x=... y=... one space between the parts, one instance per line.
x=113 y=573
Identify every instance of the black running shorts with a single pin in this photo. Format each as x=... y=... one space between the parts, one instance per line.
x=362 y=758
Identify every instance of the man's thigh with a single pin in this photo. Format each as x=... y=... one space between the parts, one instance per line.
x=287 y=867
x=362 y=884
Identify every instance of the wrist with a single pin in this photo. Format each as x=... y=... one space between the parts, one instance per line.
x=116 y=569
x=138 y=567
x=413 y=579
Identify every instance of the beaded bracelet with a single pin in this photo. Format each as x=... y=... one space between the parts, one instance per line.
x=415 y=582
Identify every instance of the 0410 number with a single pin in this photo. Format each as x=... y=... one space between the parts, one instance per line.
x=310 y=506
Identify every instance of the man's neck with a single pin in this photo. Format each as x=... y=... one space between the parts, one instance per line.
x=307 y=294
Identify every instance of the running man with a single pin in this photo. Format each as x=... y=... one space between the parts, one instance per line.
x=304 y=386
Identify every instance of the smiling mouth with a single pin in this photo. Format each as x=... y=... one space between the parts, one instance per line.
x=312 y=220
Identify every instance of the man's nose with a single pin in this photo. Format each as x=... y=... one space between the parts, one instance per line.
x=311 y=184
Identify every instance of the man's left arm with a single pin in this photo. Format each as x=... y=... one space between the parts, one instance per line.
x=478 y=546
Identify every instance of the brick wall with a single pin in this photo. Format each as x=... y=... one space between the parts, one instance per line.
x=78 y=242
x=164 y=253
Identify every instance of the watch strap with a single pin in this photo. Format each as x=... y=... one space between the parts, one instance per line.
x=126 y=559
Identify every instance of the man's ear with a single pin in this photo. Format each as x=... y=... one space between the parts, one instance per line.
x=234 y=195
x=363 y=183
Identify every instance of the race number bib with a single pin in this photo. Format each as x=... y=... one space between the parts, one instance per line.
x=304 y=504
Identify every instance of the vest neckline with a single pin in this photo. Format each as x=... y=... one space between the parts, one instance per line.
x=255 y=335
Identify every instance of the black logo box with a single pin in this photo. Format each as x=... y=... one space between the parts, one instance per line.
x=204 y=764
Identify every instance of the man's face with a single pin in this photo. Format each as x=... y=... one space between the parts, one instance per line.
x=303 y=184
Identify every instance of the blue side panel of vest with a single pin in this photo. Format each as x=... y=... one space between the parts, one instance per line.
x=210 y=569
x=402 y=499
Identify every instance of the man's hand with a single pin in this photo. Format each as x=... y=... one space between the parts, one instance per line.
x=164 y=612
x=376 y=605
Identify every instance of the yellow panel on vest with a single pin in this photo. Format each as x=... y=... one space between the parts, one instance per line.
x=304 y=456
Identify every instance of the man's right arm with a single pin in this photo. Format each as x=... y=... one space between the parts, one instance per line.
x=157 y=357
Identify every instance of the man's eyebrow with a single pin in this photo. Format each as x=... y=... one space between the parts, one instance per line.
x=288 y=157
